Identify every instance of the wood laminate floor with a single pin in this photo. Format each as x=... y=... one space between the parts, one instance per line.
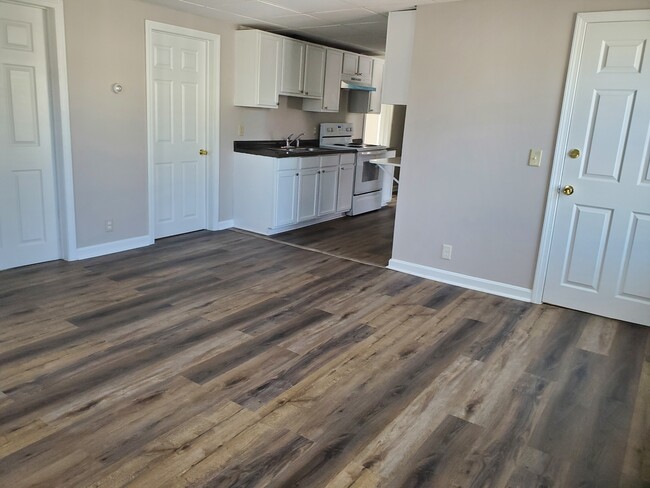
x=223 y=360
x=367 y=238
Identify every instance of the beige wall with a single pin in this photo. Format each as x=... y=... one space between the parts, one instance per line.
x=105 y=42
x=486 y=86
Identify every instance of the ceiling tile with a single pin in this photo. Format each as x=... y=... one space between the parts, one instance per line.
x=355 y=24
x=345 y=15
x=309 y=6
x=299 y=21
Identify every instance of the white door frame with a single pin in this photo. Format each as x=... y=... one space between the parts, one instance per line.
x=563 y=134
x=213 y=105
x=61 y=139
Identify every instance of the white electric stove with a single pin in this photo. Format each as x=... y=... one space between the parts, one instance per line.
x=367 y=177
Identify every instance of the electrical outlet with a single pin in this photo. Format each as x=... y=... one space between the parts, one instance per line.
x=109 y=225
x=446 y=251
x=315 y=130
x=535 y=157
x=240 y=130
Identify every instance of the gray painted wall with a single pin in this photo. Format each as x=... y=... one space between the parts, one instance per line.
x=105 y=42
x=486 y=87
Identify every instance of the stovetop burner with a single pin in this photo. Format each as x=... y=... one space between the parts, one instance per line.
x=340 y=135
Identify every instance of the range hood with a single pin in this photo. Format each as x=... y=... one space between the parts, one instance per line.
x=357 y=85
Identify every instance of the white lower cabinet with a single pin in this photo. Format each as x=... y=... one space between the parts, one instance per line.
x=328 y=190
x=286 y=196
x=274 y=195
x=346 y=185
x=308 y=194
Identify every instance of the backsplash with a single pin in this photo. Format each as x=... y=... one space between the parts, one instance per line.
x=276 y=124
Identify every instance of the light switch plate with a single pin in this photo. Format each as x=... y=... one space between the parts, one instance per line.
x=535 y=157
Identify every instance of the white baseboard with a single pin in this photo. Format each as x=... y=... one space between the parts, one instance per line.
x=113 y=247
x=225 y=224
x=465 y=281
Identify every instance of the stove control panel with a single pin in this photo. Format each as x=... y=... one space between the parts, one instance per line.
x=336 y=129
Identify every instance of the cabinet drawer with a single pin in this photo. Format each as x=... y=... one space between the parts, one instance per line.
x=347 y=158
x=331 y=160
x=313 y=162
x=286 y=163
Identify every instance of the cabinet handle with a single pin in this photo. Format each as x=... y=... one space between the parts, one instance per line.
x=297 y=174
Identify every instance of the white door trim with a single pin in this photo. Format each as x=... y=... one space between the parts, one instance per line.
x=61 y=138
x=213 y=105
x=563 y=134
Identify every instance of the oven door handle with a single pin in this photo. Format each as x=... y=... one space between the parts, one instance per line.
x=374 y=154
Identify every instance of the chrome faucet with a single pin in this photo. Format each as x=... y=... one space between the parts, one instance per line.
x=288 y=141
x=297 y=139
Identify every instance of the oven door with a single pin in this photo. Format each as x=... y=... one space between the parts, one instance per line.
x=367 y=176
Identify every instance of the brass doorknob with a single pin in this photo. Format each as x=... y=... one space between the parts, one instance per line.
x=203 y=152
x=567 y=190
x=574 y=153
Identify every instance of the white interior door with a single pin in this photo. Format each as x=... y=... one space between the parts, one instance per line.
x=599 y=259
x=29 y=230
x=178 y=97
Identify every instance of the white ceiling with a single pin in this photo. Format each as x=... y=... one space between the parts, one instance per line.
x=355 y=24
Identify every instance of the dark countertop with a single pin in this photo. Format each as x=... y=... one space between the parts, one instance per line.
x=272 y=149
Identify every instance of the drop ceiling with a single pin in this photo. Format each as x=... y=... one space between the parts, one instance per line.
x=354 y=24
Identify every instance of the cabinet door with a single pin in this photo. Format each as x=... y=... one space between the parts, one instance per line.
x=364 y=68
x=286 y=198
x=293 y=67
x=350 y=64
x=332 y=88
x=346 y=182
x=377 y=79
x=267 y=89
x=308 y=194
x=314 y=71
x=328 y=189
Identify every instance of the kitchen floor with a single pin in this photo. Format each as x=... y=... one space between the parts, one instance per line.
x=367 y=238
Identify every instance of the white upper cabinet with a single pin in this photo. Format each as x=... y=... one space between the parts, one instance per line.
x=364 y=68
x=293 y=67
x=377 y=81
x=356 y=68
x=303 y=69
x=268 y=65
x=257 y=69
x=314 y=71
x=332 y=85
x=368 y=102
x=350 y=64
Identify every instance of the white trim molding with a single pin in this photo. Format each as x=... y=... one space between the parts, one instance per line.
x=465 y=281
x=213 y=127
x=113 y=247
x=61 y=136
x=563 y=134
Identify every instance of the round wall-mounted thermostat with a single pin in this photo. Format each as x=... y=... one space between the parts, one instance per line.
x=117 y=88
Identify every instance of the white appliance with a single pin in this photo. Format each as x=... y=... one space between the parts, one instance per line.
x=367 y=177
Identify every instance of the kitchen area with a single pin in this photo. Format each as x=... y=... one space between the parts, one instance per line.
x=329 y=186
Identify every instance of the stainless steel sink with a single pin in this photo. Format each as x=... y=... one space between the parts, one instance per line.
x=295 y=150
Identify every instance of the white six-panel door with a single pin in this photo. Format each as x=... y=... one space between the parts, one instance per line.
x=29 y=230
x=599 y=259
x=179 y=118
